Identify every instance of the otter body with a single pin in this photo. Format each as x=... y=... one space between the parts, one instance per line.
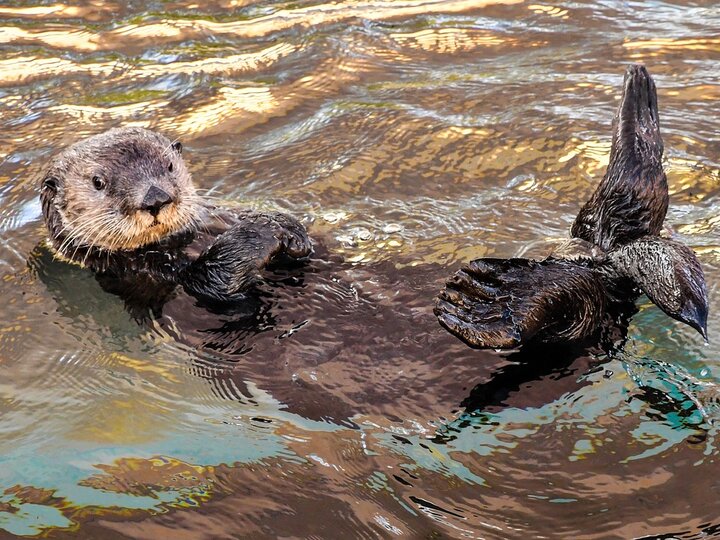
x=614 y=254
x=123 y=204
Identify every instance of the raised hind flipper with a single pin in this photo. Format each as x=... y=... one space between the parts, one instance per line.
x=669 y=274
x=505 y=303
x=632 y=199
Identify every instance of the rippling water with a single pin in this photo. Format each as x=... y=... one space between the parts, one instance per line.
x=409 y=136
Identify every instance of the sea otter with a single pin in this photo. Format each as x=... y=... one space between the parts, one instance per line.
x=122 y=203
x=614 y=253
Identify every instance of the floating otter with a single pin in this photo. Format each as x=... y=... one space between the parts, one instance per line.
x=123 y=204
x=614 y=254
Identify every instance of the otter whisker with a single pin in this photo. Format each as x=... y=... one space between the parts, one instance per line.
x=84 y=244
x=79 y=231
x=194 y=222
x=99 y=224
x=190 y=219
x=102 y=232
x=70 y=223
x=115 y=236
x=86 y=222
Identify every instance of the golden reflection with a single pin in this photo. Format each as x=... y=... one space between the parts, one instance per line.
x=549 y=10
x=699 y=92
x=700 y=44
x=346 y=179
x=208 y=5
x=155 y=31
x=69 y=38
x=118 y=360
x=595 y=86
x=708 y=250
x=61 y=10
x=306 y=17
x=449 y=40
x=131 y=420
x=448 y=250
x=252 y=104
x=146 y=477
x=31 y=11
x=594 y=155
x=237 y=62
x=704 y=226
x=237 y=109
x=315 y=15
x=22 y=69
x=687 y=176
x=87 y=113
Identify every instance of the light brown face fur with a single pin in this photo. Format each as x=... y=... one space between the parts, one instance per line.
x=96 y=192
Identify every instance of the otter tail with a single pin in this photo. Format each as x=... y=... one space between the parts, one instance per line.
x=669 y=274
x=504 y=303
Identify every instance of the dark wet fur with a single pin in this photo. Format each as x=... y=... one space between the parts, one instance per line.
x=669 y=274
x=504 y=304
x=632 y=199
x=551 y=295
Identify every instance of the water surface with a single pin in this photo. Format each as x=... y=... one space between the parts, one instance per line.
x=409 y=136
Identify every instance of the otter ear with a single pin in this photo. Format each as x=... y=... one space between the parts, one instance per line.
x=178 y=147
x=49 y=183
x=669 y=274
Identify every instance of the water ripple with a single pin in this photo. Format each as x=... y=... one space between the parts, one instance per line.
x=409 y=137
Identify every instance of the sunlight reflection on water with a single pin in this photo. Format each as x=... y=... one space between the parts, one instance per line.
x=409 y=136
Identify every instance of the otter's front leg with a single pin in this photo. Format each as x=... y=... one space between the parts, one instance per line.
x=225 y=270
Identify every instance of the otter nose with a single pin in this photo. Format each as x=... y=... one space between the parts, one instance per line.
x=154 y=200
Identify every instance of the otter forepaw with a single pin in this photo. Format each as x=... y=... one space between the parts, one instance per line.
x=291 y=234
x=234 y=262
x=296 y=241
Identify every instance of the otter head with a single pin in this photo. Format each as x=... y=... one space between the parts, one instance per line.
x=120 y=190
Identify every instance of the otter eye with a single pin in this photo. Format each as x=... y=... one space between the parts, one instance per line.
x=98 y=182
x=170 y=167
x=177 y=146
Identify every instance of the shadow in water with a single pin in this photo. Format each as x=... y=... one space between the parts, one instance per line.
x=540 y=373
x=674 y=407
x=543 y=371
x=131 y=307
x=706 y=530
x=218 y=337
x=533 y=376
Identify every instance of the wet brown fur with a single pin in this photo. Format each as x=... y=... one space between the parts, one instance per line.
x=614 y=253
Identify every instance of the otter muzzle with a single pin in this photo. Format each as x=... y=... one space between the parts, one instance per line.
x=154 y=200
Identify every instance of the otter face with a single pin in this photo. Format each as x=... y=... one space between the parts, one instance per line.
x=120 y=190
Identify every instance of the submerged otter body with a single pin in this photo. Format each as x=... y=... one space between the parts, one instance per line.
x=123 y=204
x=615 y=253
